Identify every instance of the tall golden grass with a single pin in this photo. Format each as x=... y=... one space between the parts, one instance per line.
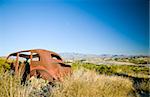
x=82 y=83
x=10 y=86
x=89 y=84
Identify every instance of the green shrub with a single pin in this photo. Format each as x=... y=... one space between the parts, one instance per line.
x=112 y=69
x=3 y=64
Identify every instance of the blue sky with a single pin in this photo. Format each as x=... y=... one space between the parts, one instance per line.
x=81 y=26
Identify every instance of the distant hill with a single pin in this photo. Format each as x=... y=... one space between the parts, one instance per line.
x=74 y=56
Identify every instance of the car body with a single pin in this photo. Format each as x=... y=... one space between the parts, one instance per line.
x=40 y=63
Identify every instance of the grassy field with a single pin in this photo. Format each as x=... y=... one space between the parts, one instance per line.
x=133 y=70
x=135 y=60
x=83 y=83
x=87 y=80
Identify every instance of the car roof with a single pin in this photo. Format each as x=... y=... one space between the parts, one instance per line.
x=39 y=51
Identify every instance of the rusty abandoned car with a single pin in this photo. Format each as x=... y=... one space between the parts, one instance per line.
x=39 y=63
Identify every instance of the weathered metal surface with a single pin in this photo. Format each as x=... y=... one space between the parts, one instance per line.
x=49 y=65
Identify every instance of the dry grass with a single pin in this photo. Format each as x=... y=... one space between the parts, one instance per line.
x=10 y=86
x=82 y=83
x=144 y=86
x=89 y=84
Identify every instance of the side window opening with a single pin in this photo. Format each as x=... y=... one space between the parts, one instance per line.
x=24 y=57
x=35 y=57
x=12 y=58
x=55 y=57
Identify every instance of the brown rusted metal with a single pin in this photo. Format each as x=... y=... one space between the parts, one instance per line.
x=48 y=65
